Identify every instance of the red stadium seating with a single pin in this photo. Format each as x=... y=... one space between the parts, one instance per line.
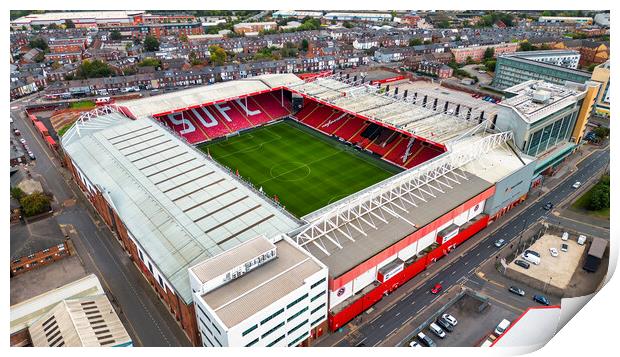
x=185 y=126
x=208 y=122
x=317 y=117
x=309 y=107
x=227 y=114
x=396 y=155
x=334 y=122
x=352 y=129
x=425 y=154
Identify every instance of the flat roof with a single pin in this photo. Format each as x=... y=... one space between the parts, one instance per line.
x=180 y=206
x=496 y=164
x=197 y=96
x=523 y=102
x=353 y=253
x=243 y=297
x=224 y=262
x=546 y=65
x=97 y=15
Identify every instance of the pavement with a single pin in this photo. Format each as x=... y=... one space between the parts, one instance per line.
x=392 y=313
x=483 y=78
x=143 y=314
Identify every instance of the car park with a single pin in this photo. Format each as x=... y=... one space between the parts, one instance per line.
x=437 y=330
x=541 y=299
x=451 y=319
x=553 y=252
x=564 y=247
x=436 y=289
x=426 y=341
x=565 y=236
x=517 y=291
x=581 y=240
x=501 y=327
x=500 y=243
x=577 y=184
x=445 y=325
x=523 y=264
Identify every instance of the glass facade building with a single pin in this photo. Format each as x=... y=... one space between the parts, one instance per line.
x=512 y=70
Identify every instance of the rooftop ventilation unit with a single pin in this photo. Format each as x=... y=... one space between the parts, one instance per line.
x=541 y=96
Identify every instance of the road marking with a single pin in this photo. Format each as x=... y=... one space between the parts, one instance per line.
x=488 y=246
x=478 y=254
x=398 y=313
x=391 y=332
x=380 y=327
x=454 y=272
x=466 y=263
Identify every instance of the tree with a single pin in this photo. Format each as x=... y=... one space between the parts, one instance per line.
x=116 y=35
x=415 y=42
x=347 y=24
x=69 y=24
x=40 y=57
x=428 y=42
x=93 y=69
x=149 y=62
x=53 y=26
x=489 y=53
x=526 y=46
x=218 y=55
x=470 y=60
x=601 y=132
x=599 y=199
x=151 y=43
x=444 y=24
x=17 y=193
x=183 y=38
x=490 y=65
x=38 y=42
x=304 y=45
x=591 y=67
x=35 y=203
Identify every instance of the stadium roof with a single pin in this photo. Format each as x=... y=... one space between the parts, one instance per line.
x=536 y=99
x=393 y=229
x=204 y=95
x=178 y=205
x=417 y=115
x=243 y=297
x=77 y=15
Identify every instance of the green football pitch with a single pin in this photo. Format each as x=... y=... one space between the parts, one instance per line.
x=303 y=168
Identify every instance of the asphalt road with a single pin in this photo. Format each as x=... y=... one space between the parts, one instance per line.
x=143 y=314
x=389 y=321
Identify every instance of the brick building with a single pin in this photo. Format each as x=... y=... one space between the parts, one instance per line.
x=476 y=53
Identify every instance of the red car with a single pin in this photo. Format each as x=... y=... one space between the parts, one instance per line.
x=436 y=289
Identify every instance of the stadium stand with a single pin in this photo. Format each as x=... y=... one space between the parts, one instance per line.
x=204 y=123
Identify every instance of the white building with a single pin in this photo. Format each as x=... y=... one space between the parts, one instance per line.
x=563 y=58
x=260 y=293
x=358 y=16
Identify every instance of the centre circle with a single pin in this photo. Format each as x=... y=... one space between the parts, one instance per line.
x=290 y=171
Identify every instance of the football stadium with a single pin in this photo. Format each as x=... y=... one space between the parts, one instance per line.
x=275 y=203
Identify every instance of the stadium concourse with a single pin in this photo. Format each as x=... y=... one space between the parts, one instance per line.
x=177 y=209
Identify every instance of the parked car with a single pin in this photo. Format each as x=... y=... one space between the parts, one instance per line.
x=565 y=236
x=501 y=327
x=31 y=155
x=22 y=140
x=445 y=325
x=426 y=341
x=437 y=330
x=516 y=290
x=451 y=319
x=436 y=289
x=523 y=264
x=581 y=240
x=564 y=247
x=548 y=206
x=532 y=252
x=541 y=299
x=414 y=343
x=17 y=132
x=577 y=184
x=553 y=252
x=500 y=243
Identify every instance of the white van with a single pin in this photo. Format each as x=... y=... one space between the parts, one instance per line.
x=501 y=328
x=531 y=257
x=581 y=240
x=565 y=236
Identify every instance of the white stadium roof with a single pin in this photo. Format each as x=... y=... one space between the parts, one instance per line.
x=180 y=206
x=205 y=95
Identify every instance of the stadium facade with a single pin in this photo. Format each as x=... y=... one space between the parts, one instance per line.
x=207 y=240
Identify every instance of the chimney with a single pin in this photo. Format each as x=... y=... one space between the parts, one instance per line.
x=405 y=94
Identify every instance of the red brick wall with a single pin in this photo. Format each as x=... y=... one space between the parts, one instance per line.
x=39 y=259
x=183 y=313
